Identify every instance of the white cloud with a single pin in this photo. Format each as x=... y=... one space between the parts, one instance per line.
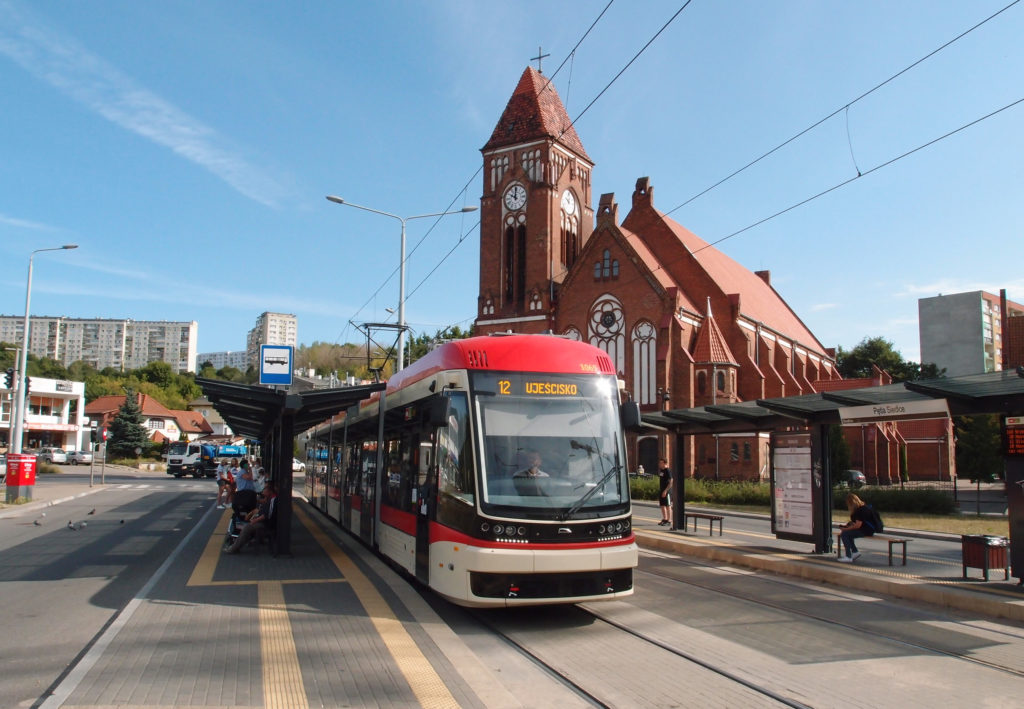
x=823 y=306
x=90 y=80
x=25 y=224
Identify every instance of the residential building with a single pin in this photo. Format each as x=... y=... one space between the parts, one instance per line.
x=219 y=360
x=163 y=424
x=963 y=332
x=270 y=329
x=121 y=344
x=204 y=408
x=54 y=416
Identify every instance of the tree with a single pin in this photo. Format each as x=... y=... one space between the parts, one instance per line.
x=979 y=453
x=126 y=430
x=857 y=363
x=838 y=451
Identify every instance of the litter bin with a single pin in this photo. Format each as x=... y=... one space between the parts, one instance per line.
x=985 y=551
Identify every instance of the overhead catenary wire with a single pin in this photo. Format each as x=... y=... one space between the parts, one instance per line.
x=840 y=109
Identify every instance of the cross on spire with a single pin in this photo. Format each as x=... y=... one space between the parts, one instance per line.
x=540 y=56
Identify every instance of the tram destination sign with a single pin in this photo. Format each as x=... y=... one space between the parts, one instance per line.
x=895 y=411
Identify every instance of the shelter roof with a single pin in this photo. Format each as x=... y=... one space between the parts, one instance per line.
x=987 y=393
x=253 y=410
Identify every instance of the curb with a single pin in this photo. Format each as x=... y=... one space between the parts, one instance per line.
x=17 y=510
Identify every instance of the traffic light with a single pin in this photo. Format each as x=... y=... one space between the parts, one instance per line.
x=28 y=386
x=103 y=434
x=9 y=378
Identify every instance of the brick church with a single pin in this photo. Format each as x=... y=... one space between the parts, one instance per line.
x=684 y=324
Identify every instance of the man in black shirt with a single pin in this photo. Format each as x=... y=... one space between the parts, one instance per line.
x=665 y=492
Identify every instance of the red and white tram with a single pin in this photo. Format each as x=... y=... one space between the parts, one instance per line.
x=504 y=473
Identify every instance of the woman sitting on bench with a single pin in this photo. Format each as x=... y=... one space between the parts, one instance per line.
x=858 y=526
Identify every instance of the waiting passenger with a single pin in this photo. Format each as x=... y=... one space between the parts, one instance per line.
x=260 y=521
x=858 y=526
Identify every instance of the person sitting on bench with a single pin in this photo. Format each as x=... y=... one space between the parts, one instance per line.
x=260 y=520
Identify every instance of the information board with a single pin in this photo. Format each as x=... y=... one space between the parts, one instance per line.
x=796 y=486
x=1014 y=438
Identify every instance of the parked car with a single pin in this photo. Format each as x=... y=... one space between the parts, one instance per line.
x=51 y=455
x=298 y=466
x=851 y=478
x=76 y=457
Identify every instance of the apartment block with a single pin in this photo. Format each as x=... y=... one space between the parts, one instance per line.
x=122 y=344
x=270 y=329
x=963 y=332
x=219 y=360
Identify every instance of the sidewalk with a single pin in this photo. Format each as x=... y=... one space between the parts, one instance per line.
x=933 y=574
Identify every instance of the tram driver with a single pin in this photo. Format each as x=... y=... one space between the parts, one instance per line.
x=532 y=470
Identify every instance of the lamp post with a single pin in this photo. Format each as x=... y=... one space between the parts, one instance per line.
x=401 y=267
x=19 y=399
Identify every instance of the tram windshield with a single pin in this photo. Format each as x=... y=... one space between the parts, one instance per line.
x=551 y=446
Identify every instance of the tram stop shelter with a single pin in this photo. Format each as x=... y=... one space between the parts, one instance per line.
x=274 y=418
x=987 y=393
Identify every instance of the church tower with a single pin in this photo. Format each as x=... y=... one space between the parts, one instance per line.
x=535 y=209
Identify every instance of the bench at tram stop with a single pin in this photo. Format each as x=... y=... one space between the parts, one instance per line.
x=711 y=518
x=892 y=540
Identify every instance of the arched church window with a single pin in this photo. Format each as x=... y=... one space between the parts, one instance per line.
x=734 y=453
x=644 y=362
x=702 y=382
x=746 y=451
x=510 y=258
x=607 y=267
x=720 y=381
x=607 y=329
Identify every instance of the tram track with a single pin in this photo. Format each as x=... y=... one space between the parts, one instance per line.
x=830 y=620
x=598 y=695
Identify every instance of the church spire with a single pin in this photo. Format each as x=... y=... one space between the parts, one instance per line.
x=534 y=112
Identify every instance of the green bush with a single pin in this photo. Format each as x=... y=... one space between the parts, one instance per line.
x=892 y=499
x=884 y=499
x=707 y=492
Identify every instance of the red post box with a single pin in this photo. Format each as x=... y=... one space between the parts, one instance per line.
x=21 y=470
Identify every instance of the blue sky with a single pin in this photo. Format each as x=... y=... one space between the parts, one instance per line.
x=187 y=147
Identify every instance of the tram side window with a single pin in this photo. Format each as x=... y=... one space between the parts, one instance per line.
x=352 y=469
x=455 y=452
x=399 y=471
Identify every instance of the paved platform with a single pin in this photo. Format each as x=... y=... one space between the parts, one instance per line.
x=933 y=574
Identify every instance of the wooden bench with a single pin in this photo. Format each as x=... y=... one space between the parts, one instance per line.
x=892 y=541
x=687 y=516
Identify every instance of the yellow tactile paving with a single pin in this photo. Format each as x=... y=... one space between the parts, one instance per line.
x=428 y=687
x=282 y=676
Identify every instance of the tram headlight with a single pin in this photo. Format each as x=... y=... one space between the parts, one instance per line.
x=625 y=524
x=601 y=529
x=521 y=531
x=498 y=529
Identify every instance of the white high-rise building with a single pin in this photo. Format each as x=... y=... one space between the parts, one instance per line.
x=271 y=329
x=219 y=360
x=102 y=342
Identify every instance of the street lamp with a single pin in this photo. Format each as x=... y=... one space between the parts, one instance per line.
x=401 y=267
x=19 y=398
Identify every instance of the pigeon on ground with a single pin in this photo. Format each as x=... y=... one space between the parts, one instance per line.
x=82 y=525
x=37 y=523
x=122 y=521
x=92 y=511
x=71 y=526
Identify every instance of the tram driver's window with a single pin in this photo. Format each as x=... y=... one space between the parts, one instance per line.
x=454 y=451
